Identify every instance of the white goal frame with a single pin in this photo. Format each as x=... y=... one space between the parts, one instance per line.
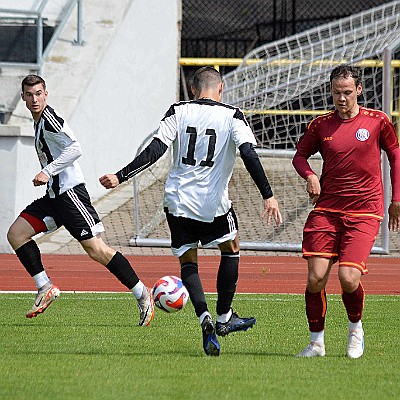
x=259 y=87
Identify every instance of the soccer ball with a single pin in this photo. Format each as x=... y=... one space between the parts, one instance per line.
x=169 y=294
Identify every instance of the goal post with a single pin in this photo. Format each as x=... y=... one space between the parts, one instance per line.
x=285 y=85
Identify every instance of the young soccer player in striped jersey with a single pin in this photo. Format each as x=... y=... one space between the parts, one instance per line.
x=348 y=200
x=66 y=203
x=205 y=134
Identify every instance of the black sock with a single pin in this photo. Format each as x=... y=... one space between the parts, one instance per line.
x=227 y=277
x=29 y=255
x=191 y=279
x=122 y=269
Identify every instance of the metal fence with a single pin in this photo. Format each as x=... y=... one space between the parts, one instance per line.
x=291 y=78
x=232 y=28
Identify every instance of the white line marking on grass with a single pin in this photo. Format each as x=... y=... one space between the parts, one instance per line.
x=269 y=297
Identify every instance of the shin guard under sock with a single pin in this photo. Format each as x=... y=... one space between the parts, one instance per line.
x=191 y=279
x=226 y=281
x=120 y=267
x=316 y=310
x=354 y=303
x=29 y=255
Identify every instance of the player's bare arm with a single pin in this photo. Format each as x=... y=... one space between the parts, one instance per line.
x=313 y=187
x=394 y=216
x=271 y=209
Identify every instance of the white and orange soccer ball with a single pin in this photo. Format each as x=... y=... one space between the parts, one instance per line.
x=170 y=294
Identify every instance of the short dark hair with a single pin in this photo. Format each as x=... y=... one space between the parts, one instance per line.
x=205 y=77
x=32 y=80
x=346 y=71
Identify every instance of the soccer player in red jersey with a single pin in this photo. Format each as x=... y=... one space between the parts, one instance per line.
x=348 y=199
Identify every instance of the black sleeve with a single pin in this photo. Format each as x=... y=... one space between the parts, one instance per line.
x=253 y=165
x=147 y=157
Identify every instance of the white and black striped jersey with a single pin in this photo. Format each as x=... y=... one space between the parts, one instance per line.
x=205 y=135
x=57 y=150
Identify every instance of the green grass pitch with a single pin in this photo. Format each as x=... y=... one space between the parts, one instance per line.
x=88 y=346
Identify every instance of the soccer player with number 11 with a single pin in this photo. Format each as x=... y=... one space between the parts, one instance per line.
x=205 y=134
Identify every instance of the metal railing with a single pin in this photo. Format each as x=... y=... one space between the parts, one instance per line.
x=37 y=17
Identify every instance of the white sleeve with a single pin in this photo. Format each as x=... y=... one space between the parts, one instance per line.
x=70 y=153
x=168 y=128
x=241 y=131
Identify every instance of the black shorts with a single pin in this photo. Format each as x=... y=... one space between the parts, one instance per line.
x=72 y=209
x=186 y=233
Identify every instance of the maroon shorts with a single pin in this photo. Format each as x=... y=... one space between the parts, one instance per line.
x=347 y=238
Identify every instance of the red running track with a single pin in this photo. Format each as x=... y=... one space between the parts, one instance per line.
x=257 y=274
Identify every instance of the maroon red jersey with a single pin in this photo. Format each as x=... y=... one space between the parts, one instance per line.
x=351 y=179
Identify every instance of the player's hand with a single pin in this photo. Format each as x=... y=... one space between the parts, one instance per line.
x=394 y=216
x=313 y=187
x=40 y=179
x=109 y=181
x=271 y=208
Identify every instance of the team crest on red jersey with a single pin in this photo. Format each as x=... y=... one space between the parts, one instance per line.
x=362 y=134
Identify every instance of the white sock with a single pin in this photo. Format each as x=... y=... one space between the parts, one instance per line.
x=41 y=279
x=355 y=326
x=202 y=316
x=224 y=317
x=137 y=290
x=317 y=337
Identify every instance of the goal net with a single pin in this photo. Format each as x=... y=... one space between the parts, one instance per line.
x=281 y=86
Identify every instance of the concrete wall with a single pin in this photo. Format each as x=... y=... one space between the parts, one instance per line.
x=16 y=168
x=130 y=91
x=112 y=91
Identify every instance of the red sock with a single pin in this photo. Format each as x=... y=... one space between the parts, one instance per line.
x=354 y=303
x=316 y=310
